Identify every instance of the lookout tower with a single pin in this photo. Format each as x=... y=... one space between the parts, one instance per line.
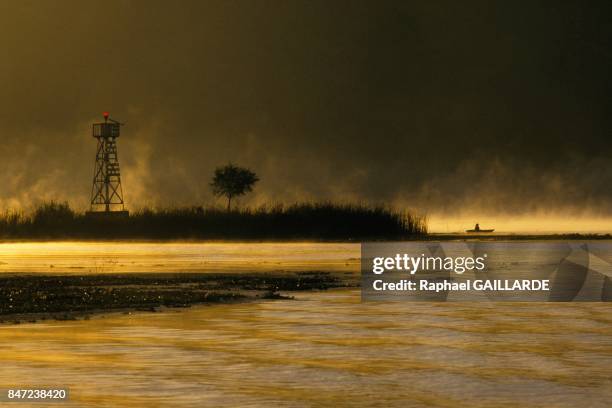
x=106 y=192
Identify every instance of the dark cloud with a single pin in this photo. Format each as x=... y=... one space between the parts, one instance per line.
x=492 y=106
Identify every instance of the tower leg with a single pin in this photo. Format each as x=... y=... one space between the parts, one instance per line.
x=106 y=193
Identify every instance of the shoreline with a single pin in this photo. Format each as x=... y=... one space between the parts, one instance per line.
x=31 y=298
x=434 y=236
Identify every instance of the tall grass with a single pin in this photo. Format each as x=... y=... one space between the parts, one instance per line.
x=316 y=221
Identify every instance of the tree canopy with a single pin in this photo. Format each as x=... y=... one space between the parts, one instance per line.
x=232 y=181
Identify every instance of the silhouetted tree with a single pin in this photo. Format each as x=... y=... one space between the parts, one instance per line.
x=232 y=181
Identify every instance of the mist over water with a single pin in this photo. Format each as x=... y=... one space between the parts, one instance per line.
x=536 y=223
x=495 y=113
x=325 y=101
x=85 y=258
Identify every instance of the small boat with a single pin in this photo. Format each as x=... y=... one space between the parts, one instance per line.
x=478 y=230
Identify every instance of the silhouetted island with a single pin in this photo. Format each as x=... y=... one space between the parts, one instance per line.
x=308 y=221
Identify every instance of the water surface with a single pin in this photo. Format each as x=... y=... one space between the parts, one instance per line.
x=121 y=257
x=323 y=349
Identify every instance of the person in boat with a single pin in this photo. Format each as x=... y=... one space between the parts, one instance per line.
x=477 y=227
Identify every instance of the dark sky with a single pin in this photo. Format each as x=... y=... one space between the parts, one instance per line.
x=493 y=106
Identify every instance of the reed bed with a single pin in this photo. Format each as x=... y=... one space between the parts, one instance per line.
x=305 y=221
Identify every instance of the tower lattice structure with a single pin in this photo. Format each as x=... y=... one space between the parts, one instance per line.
x=106 y=191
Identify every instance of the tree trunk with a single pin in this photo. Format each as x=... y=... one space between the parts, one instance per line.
x=229 y=203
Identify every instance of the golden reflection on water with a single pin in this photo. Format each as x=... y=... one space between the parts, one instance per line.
x=323 y=349
x=121 y=257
